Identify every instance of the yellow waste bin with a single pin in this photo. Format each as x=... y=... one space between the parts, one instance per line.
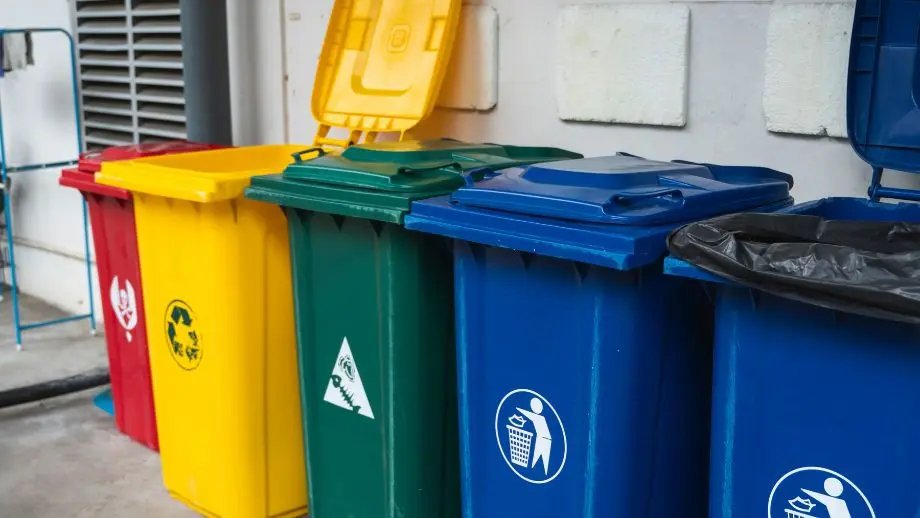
x=220 y=321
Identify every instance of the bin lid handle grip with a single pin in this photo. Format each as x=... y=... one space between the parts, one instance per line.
x=625 y=198
x=413 y=171
x=469 y=176
x=298 y=156
x=478 y=174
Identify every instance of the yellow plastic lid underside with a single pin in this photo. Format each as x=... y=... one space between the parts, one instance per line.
x=204 y=176
x=382 y=65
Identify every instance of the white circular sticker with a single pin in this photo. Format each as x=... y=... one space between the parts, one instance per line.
x=814 y=492
x=530 y=436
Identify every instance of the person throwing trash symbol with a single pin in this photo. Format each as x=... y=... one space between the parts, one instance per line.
x=544 y=441
x=836 y=506
x=526 y=436
x=818 y=492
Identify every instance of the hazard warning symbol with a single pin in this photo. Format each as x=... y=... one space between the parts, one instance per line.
x=345 y=389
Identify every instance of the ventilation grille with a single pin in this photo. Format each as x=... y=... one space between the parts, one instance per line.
x=130 y=58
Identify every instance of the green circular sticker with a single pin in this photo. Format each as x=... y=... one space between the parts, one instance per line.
x=182 y=335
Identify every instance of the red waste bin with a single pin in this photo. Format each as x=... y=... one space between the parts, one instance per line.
x=111 y=212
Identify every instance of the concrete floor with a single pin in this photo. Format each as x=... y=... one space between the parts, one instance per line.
x=63 y=457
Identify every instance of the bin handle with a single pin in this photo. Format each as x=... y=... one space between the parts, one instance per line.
x=625 y=198
x=470 y=176
x=412 y=171
x=478 y=174
x=298 y=156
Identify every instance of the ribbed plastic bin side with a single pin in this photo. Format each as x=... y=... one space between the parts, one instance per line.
x=374 y=311
x=813 y=406
x=800 y=391
x=217 y=283
x=583 y=371
x=111 y=212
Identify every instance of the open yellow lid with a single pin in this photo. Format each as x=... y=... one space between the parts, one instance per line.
x=382 y=65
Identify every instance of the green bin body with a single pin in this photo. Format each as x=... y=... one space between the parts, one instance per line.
x=375 y=322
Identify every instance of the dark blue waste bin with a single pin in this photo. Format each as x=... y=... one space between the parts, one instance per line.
x=814 y=409
x=584 y=372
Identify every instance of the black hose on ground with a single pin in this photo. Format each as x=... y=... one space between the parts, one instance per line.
x=54 y=388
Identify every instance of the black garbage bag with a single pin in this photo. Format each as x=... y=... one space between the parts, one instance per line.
x=863 y=267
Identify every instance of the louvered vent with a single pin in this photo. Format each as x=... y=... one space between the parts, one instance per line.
x=130 y=58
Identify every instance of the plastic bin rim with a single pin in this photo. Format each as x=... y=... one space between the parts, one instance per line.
x=164 y=175
x=84 y=181
x=549 y=237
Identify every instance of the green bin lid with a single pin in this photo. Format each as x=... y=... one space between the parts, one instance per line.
x=381 y=180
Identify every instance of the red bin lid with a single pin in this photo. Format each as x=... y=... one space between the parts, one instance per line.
x=83 y=176
x=85 y=182
x=92 y=162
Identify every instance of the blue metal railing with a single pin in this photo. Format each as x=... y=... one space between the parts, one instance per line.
x=6 y=170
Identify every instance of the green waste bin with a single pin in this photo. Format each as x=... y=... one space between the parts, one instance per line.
x=374 y=312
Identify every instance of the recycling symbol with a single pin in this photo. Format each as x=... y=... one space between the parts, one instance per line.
x=184 y=339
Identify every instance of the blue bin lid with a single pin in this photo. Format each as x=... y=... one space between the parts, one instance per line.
x=625 y=190
x=883 y=88
x=614 y=211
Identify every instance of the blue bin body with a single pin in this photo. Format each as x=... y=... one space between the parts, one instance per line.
x=804 y=394
x=815 y=410
x=584 y=372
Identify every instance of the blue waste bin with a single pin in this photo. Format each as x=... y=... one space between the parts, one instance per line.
x=814 y=409
x=583 y=371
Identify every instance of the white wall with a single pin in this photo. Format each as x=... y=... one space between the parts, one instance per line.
x=256 y=72
x=39 y=128
x=38 y=122
x=734 y=75
x=725 y=120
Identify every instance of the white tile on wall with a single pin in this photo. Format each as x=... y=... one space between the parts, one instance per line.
x=471 y=82
x=623 y=63
x=806 y=67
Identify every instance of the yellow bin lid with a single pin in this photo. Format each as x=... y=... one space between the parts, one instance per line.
x=382 y=66
x=202 y=176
